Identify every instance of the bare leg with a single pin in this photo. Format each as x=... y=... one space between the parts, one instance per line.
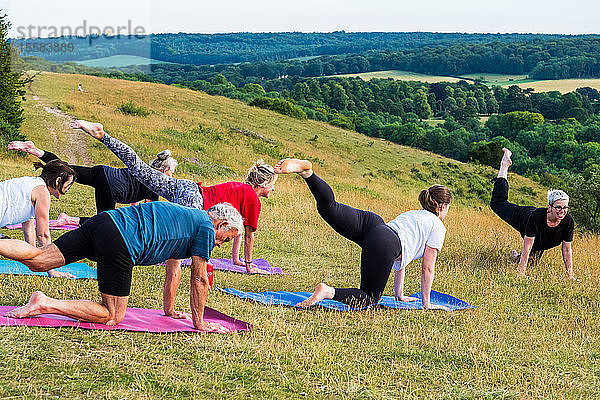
x=38 y=259
x=505 y=163
x=93 y=129
x=322 y=292
x=110 y=312
x=27 y=147
x=289 y=165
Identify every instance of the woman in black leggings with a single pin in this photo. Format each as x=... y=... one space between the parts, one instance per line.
x=383 y=245
x=111 y=185
x=541 y=228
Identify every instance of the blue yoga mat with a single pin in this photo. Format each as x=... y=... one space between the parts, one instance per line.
x=285 y=298
x=80 y=270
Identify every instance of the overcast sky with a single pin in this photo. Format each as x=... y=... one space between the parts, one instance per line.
x=153 y=16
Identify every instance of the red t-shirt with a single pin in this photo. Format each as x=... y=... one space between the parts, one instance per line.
x=240 y=195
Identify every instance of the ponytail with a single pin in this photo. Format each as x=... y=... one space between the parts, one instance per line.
x=431 y=199
x=260 y=174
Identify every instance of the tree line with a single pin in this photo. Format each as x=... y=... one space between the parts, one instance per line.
x=225 y=48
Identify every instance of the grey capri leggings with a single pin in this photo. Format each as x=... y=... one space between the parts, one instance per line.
x=181 y=191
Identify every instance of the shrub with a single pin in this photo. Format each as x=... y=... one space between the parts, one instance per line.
x=584 y=191
x=9 y=133
x=281 y=106
x=131 y=109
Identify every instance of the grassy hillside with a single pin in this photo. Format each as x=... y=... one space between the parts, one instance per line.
x=528 y=338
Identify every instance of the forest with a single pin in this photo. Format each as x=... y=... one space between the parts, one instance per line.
x=199 y=49
x=554 y=137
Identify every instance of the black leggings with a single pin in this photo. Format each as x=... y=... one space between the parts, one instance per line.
x=90 y=176
x=100 y=240
x=380 y=244
x=513 y=214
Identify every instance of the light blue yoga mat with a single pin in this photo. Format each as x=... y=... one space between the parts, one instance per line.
x=80 y=270
x=285 y=298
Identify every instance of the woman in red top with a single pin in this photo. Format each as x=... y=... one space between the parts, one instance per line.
x=259 y=182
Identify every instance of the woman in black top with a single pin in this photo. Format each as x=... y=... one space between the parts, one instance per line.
x=111 y=185
x=541 y=228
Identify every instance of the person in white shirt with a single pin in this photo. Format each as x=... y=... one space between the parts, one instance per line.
x=27 y=200
x=410 y=236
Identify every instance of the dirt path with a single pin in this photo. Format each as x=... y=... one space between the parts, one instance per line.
x=75 y=145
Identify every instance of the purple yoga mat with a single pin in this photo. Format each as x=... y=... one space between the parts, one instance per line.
x=60 y=227
x=136 y=320
x=226 y=264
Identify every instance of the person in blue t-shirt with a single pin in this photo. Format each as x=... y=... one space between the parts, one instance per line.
x=119 y=239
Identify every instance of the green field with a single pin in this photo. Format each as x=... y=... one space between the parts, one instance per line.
x=534 y=338
x=399 y=75
x=120 y=61
x=499 y=79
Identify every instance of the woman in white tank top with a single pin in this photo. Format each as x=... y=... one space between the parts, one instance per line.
x=27 y=200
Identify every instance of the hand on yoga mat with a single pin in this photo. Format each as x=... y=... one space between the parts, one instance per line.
x=406 y=298
x=213 y=327
x=437 y=307
x=58 y=274
x=180 y=315
x=256 y=270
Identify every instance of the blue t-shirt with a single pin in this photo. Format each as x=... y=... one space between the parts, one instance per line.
x=157 y=231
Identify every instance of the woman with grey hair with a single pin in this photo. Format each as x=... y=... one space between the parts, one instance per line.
x=259 y=182
x=541 y=228
x=111 y=185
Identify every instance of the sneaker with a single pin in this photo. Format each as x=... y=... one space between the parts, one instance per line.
x=514 y=256
x=3 y=236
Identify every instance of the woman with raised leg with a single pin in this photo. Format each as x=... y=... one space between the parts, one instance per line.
x=111 y=185
x=259 y=182
x=541 y=228
x=412 y=235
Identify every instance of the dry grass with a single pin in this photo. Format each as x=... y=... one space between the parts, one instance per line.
x=400 y=76
x=561 y=85
x=534 y=338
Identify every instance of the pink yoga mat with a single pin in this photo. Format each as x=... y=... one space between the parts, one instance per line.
x=60 y=227
x=136 y=320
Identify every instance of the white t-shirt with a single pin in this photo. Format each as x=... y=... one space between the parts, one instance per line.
x=416 y=229
x=15 y=199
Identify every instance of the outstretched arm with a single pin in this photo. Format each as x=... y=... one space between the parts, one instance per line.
x=399 y=286
x=527 y=245
x=251 y=268
x=199 y=289
x=567 y=254
x=41 y=204
x=427 y=274
x=29 y=231
x=172 y=279
x=41 y=198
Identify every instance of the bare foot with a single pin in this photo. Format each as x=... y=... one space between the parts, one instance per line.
x=322 y=292
x=27 y=147
x=35 y=306
x=91 y=128
x=506 y=161
x=59 y=274
x=289 y=165
x=65 y=219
